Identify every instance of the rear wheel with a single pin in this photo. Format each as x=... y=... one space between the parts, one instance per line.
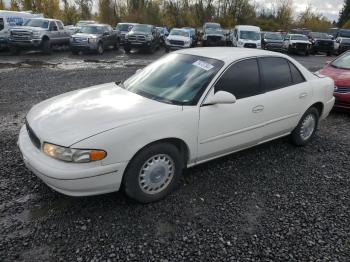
x=153 y=173
x=306 y=128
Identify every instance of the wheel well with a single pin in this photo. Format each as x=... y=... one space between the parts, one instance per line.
x=180 y=145
x=45 y=37
x=319 y=106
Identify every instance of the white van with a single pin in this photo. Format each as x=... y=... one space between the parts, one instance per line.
x=246 y=36
x=9 y=19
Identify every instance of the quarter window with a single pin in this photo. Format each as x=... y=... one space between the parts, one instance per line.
x=296 y=75
x=275 y=73
x=241 y=79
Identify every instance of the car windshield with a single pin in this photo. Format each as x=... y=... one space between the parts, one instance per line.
x=273 y=36
x=214 y=31
x=176 y=78
x=124 y=27
x=320 y=35
x=38 y=23
x=141 y=29
x=179 y=32
x=212 y=26
x=250 y=35
x=299 y=37
x=91 y=30
x=344 y=33
x=342 y=62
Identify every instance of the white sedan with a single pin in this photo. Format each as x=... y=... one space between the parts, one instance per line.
x=184 y=109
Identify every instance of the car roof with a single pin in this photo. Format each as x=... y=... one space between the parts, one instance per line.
x=227 y=54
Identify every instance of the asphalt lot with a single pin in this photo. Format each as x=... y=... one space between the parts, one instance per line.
x=275 y=202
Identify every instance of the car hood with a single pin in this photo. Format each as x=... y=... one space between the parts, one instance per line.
x=341 y=77
x=28 y=28
x=74 y=116
x=178 y=37
x=300 y=41
x=85 y=35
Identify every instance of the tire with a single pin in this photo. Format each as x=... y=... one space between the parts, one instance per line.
x=127 y=49
x=307 y=53
x=100 y=49
x=329 y=53
x=137 y=180
x=289 y=50
x=152 y=49
x=167 y=49
x=46 y=48
x=14 y=50
x=306 y=128
x=116 y=46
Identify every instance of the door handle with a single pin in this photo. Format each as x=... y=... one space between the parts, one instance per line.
x=258 y=109
x=302 y=95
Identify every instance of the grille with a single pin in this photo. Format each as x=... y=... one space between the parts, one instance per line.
x=35 y=140
x=301 y=46
x=249 y=45
x=21 y=35
x=137 y=38
x=342 y=90
x=80 y=39
x=214 y=38
x=176 y=42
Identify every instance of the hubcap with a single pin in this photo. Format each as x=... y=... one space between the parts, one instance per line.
x=156 y=174
x=307 y=127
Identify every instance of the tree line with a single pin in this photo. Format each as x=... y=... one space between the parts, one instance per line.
x=177 y=13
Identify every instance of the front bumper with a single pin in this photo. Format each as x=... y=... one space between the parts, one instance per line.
x=214 y=42
x=33 y=43
x=342 y=101
x=136 y=44
x=70 y=178
x=83 y=47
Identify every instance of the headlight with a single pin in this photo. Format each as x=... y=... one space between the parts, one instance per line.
x=73 y=155
x=92 y=40
x=36 y=34
x=149 y=38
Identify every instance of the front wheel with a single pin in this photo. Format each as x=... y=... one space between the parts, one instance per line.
x=100 y=48
x=127 y=49
x=306 y=128
x=153 y=173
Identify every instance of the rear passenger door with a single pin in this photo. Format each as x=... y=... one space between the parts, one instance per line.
x=224 y=128
x=287 y=95
x=54 y=33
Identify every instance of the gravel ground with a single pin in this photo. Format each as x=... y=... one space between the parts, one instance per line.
x=275 y=202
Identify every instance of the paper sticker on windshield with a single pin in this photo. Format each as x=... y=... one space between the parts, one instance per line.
x=204 y=65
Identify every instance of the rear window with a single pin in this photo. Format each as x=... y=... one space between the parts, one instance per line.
x=1 y=23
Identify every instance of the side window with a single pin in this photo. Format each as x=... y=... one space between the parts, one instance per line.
x=296 y=75
x=60 y=25
x=275 y=73
x=241 y=79
x=53 y=26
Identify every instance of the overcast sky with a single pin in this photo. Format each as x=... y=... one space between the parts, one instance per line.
x=329 y=8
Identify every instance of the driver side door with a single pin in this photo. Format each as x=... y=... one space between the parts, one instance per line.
x=225 y=128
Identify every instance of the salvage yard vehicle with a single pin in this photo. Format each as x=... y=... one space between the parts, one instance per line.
x=321 y=42
x=94 y=37
x=10 y=19
x=194 y=35
x=295 y=43
x=339 y=71
x=38 y=33
x=142 y=36
x=178 y=39
x=342 y=41
x=246 y=36
x=123 y=29
x=163 y=33
x=272 y=41
x=82 y=23
x=213 y=35
x=184 y=109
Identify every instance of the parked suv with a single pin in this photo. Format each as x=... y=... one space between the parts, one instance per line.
x=342 y=42
x=213 y=35
x=321 y=42
x=178 y=39
x=38 y=33
x=272 y=41
x=123 y=29
x=142 y=36
x=294 y=43
x=94 y=37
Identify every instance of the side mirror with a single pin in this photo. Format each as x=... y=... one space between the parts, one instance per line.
x=220 y=97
